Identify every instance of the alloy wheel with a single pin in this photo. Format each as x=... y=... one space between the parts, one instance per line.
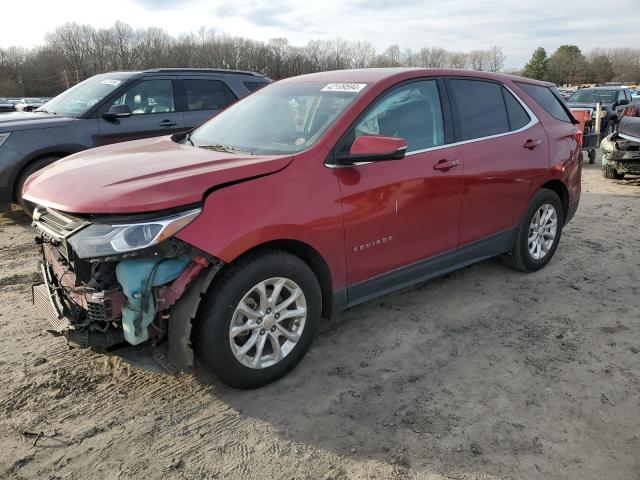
x=542 y=231
x=268 y=322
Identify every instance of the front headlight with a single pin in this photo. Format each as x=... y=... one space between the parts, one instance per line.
x=101 y=239
x=3 y=137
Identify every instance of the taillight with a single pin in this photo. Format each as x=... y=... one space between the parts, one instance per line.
x=579 y=136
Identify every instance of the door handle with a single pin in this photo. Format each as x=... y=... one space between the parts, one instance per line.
x=445 y=164
x=531 y=144
x=167 y=123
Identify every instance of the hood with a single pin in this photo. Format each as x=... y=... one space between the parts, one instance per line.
x=141 y=176
x=13 y=121
x=629 y=128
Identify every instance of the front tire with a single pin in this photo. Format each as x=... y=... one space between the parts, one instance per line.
x=258 y=319
x=611 y=173
x=538 y=234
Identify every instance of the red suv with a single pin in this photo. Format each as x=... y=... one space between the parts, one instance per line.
x=313 y=194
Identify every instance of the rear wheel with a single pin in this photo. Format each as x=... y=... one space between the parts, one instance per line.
x=30 y=169
x=259 y=319
x=538 y=234
x=592 y=157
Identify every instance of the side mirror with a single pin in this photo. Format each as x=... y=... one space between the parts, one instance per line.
x=117 y=111
x=375 y=148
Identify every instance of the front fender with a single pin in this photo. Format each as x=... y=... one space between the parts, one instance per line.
x=293 y=204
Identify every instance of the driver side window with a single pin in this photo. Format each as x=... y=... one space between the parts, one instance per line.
x=149 y=96
x=411 y=112
x=621 y=96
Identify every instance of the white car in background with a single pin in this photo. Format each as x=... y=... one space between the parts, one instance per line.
x=29 y=104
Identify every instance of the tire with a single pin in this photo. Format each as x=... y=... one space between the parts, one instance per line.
x=211 y=335
x=519 y=256
x=592 y=157
x=610 y=172
x=31 y=168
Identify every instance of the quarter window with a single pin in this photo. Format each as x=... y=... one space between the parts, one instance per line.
x=480 y=108
x=547 y=100
x=253 y=86
x=518 y=116
x=411 y=112
x=149 y=96
x=207 y=94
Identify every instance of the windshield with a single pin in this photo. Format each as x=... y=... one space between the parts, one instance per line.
x=278 y=119
x=80 y=98
x=593 y=96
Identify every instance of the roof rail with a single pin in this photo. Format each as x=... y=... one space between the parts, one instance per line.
x=201 y=70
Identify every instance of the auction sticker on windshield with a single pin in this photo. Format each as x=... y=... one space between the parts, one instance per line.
x=115 y=83
x=344 y=87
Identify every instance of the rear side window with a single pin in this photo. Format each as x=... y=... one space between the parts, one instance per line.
x=253 y=86
x=547 y=100
x=518 y=116
x=480 y=108
x=207 y=94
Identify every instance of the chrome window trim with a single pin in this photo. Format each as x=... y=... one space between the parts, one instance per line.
x=533 y=120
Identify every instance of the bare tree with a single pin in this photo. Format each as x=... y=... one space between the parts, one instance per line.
x=495 y=59
x=433 y=57
x=457 y=60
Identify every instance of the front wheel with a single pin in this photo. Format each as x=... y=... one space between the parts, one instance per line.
x=538 y=234
x=610 y=172
x=259 y=319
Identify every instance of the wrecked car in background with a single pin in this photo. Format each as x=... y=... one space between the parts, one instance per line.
x=311 y=195
x=621 y=150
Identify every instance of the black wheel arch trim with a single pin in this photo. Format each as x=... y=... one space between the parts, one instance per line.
x=57 y=150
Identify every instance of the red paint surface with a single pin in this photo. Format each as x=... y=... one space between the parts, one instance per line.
x=362 y=221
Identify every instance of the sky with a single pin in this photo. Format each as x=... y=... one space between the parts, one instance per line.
x=462 y=25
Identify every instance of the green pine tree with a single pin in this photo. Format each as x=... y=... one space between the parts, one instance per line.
x=537 y=66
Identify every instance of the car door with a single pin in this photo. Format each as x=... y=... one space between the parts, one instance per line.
x=204 y=98
x=401 y=216
x=154 y=112
x=621 y=104
x=505 y=151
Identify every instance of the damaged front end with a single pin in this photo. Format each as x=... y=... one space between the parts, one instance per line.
x=621 y=150
x=111 y=281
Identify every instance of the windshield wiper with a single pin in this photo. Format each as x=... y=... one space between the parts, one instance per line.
x=224 y=148
x=42 y=110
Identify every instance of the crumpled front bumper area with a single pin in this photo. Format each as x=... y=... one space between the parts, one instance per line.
x=622 y=152
x=84 y=315
x=149 y=302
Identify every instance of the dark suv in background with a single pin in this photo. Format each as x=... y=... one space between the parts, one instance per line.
x=614 y=100
x=109 y=108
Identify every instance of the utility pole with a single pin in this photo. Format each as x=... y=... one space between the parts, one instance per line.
x=66 y=80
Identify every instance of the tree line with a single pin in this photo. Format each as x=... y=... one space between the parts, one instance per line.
x=73 y=52
x=569 y=66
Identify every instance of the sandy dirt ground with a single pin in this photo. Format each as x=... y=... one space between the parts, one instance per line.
x=487 y=373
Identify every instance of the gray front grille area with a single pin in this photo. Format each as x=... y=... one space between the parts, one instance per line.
x=57 y=225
